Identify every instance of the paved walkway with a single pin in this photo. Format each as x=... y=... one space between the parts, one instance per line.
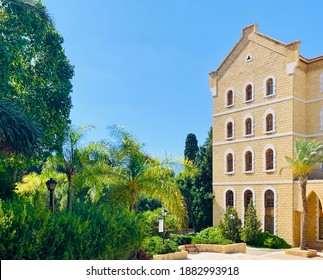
x=252 y=254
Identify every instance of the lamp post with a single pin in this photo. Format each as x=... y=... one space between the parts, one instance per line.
x=164 y=213
x=51 y=184
x=231 y=219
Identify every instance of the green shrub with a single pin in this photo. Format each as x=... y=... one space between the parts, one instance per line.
x=151 y=223
x=210 y=235
x=90 y=232
x=154 y=246
x=231 y=228
x=268 y=240
x=181 y=239
x=251 y=227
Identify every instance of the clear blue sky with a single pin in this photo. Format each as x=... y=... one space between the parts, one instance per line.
x=144 y=64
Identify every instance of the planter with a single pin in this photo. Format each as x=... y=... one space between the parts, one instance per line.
x=216 y=248
x=172 y=256
x=301 y=253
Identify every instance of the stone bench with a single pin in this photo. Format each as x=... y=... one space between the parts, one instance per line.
x=191 y=248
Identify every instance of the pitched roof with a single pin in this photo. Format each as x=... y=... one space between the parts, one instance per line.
x=241 y=44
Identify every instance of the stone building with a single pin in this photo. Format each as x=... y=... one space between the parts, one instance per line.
x=265 y=95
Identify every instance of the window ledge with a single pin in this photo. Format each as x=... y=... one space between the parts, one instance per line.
x=229 y=106
x=271 y=95
x=270 y=132
x=229 y=138
x=229 y=173
x=269 y=170
x=248 y=172
x=248 y=101
x=249 y=135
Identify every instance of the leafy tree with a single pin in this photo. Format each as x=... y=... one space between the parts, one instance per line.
x=307 y=154
x=191 y=147
x=252 y=226
x=201 y=190
x=230 y=225
x=133 y=172
x=34 y=69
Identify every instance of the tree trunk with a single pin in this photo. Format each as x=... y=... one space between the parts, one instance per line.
x=303 y=183
x=70 y=191
x=134 y=201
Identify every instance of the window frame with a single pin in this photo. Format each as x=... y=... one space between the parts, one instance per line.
x=265 y=86
x=225 y=204
x=265 y=159
x=250 y=157
x=226 y=137
x=245 y=88
x=246 y=117
x=266 y=113
x=227 y=105
x=228 y=152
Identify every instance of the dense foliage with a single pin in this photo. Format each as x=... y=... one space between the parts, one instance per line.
x=252 y=226
x=191 y=147
x=35 y=71
x=201 y=190
x=230 y=225
x=155 y=246
x=18 y=133
x=197 y=188
x=268 y=240
x=90 y=232
x=210 y=235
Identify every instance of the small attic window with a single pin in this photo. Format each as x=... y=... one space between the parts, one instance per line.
x=248 y=58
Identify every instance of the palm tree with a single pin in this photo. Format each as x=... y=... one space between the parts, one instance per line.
x=307 y=154
x=133 y=172
x=18 y=133
x=70 y=157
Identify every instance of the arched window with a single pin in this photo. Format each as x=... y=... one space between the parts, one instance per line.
x=229 y=198
x=269 y=87
x=229 y=162
x=248 y=161
x=229 y=98
x=229 y=130
x=248 y=93
x=248 y=126
x=247 y=199
x=269 y=123
x=269 y=159
x=269 y=211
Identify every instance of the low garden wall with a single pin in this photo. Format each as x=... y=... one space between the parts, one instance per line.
x=215 y=248
x=172 y=256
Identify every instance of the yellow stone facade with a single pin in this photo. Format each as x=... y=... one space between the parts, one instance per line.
x=265 y=94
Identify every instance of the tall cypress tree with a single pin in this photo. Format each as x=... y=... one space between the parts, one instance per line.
x=201 y=190
x=191 y=147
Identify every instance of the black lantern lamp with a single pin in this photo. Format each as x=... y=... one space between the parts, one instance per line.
x=51 y=184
